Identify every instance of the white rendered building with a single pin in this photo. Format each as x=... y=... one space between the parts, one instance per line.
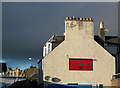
x=79 y=59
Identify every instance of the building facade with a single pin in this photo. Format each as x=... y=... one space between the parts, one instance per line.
x=26 y=73
x=29 y=72
x=3 y=69
x=79 y=59
x=15 y=72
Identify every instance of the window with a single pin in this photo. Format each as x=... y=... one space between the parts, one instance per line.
x=48 y=48
x=45 y=52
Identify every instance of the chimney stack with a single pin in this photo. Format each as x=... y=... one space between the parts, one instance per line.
x=76 y=27
x=101 y=31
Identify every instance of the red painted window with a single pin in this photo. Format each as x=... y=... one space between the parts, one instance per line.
x=80 y=64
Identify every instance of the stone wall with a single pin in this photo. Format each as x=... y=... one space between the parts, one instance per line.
x=116 y=83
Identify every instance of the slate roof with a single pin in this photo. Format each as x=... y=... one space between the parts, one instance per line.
x=115 y=40
x=108 y=39
x=56 y=38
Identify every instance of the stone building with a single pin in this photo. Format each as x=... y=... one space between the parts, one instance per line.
x=26 y=73
x=9 y=72
x=15 y=72
x=3 y=69
x=79 y=59
x=29 y=72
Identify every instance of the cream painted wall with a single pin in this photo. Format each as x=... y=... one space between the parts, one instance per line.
x=79 y=43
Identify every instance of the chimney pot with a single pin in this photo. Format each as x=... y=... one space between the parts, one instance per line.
x=70 y=18
x=80 y=18
x=90 y=19
x=87 y=19
x=74 y=18
x=67 y=18
x=83 y=18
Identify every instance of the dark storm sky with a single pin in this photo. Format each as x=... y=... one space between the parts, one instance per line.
x=27 y=26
